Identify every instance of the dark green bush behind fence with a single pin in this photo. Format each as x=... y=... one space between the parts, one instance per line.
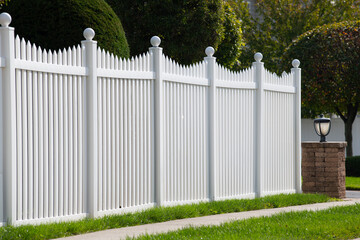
x=352 y=165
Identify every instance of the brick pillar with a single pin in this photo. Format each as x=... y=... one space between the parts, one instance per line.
x=323 y=168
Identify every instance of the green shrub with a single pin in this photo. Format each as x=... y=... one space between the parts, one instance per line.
x=186 y=27
x=230 y=47
x=59 y=24
x=352 y=165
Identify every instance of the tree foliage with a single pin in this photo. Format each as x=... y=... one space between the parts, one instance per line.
x=278 y=22
x=186 y=28
x=330 y=57
x=59 y=24
x=232 y=42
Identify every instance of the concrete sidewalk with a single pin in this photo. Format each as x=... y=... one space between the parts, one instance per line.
x=122 y=233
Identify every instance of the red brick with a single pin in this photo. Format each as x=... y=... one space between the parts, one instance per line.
x=331 y=184
x=308 y=154
x=332 y=189
x=320 y=164
x=309 y=190
x=320 y=184
x=308 y=164
x=320 y=154
x=320 y=188
x=333 y=150
x=321 y=174
x=332 y=160
x=320 y=179
x=332 y=155
x=308 y=169
x=331 y=169
x=332 y=164
x=308 y=184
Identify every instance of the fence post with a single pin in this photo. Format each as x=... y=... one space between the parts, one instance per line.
x=91 y=150
x=157 y=63
x=211 y=64
x=259 y=79
x=296 y=71
x=8 y=118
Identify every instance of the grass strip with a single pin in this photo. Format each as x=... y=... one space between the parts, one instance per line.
x=353 y=183
x=157 y=214
x=334 y=223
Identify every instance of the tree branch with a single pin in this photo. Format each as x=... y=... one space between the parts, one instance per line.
x=340 y=114
x=352 y=111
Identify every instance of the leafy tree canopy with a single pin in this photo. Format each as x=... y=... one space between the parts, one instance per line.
x=278 y=22
x=186 y=28
x=58 y=24
x=330 y=57
x=232 y=42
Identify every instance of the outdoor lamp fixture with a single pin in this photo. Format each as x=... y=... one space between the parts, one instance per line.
x=322 y=127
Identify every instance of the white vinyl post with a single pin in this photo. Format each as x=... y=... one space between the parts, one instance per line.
x=8 y=119
x=259 y=79
x=296 y=71
x=157 y=61
x=211 y=64
x=91 y=150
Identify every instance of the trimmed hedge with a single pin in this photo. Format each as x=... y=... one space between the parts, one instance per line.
x=352 y=165
x=59 y=24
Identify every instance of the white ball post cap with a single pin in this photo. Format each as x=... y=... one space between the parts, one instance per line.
x=209 y=51
x=89 y=34
x=5 y=19
x=155 y=41
x=296 y=63
x=258 y=57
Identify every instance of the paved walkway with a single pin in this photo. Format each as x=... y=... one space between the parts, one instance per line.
x=352 y=194
x=122 y=233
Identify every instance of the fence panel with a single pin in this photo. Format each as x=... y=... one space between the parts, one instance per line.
x=279 y=151
x=186 y=168
x=236 y=117
x=236 y=133
x=49 y=133
x=85 y=133
x=125 y=165
x=185 y=132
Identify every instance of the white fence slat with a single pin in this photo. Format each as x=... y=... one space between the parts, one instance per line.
x=25 y=147
x=51 y=174
x=70 y=141
x=36 y=140
x=17 y=47
x=117 y=184
x=19 y=112
x=112 y=140
x=28 y=51
x=108 y=144
x=45 y=141
x=76 y=148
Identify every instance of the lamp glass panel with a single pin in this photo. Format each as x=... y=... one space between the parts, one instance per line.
x=324 y=127
x=317 y=128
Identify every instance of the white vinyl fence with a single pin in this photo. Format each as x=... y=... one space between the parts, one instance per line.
x=84 y=133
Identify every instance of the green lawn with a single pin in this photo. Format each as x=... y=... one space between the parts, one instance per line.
x=353 y=183
x=335 y=223
x=158 y=214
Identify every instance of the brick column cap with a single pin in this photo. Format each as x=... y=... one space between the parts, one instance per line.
x=331 y=144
